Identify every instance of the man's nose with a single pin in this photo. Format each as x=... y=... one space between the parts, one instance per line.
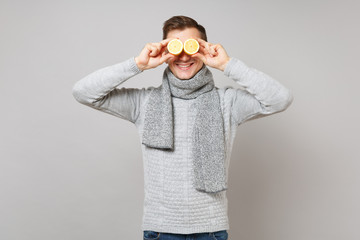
x=184 y=57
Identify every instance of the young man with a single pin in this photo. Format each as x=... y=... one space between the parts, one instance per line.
x=187 y=127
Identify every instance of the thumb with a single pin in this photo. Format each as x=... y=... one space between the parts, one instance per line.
x=165 y=57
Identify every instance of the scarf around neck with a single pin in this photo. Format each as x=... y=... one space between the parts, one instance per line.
x=208 y=135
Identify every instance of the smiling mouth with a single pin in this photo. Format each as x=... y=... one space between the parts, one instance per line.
x=184 y=66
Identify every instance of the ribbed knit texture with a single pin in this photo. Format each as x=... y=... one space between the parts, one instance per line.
x=208 y=136
x=171 y=202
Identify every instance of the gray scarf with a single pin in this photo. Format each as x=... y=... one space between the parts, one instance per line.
x=208 y=142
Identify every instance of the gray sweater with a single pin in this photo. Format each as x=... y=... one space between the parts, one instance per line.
x=171 y=202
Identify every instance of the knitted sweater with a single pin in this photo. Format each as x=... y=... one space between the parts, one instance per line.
x=171 y=202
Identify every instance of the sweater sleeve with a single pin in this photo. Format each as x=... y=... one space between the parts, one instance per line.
x=260 y=95
x=99 y=91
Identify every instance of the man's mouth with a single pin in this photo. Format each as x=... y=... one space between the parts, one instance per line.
x=184 y=66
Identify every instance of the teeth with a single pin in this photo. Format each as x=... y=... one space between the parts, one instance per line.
x=184 y=66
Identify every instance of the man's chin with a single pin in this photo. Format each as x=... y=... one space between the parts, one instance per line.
x=185 y=77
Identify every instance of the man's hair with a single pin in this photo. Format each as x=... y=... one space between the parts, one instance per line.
x=181 y=23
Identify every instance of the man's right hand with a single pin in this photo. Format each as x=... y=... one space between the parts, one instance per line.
x=153 y=55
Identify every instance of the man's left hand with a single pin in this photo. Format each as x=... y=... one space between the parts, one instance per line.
x=213 y=55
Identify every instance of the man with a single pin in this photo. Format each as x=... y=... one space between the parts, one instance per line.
x=187 y=127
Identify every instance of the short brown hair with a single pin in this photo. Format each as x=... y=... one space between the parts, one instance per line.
x=182 y=22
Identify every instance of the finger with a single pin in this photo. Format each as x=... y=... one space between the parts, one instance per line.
x=160 y=48
x=166 y=41
x=200 y=56
x=149 y=47
x=218 y=47
x=212 y=50
x=203 y=43
x=204 y=51
x=220 y=50
x=157 y=45
x=154 y=50
x=165 y=57
x=163 y=50
x=146 y=50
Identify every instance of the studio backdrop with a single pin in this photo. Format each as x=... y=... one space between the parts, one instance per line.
x=68 y=172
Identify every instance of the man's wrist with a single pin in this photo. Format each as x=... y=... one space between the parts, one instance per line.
x=133 y=66
x=223 y=66
x=141 y=67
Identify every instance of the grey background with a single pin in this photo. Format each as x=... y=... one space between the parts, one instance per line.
x=69 y=172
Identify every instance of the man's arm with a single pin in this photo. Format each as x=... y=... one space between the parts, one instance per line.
x=99 y=89
x=262 y=95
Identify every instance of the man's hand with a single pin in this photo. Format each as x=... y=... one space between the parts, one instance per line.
x=153 y=55
x=213 y=55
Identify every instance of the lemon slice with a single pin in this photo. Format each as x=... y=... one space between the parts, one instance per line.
x=191 y=46
x=175 y=47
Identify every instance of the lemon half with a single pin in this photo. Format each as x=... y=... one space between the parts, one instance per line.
x=175 y=47
x=191 y=46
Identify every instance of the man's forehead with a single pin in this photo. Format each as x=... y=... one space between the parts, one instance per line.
x=184 y=33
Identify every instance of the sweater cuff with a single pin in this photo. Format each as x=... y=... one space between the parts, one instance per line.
x=132 y=66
